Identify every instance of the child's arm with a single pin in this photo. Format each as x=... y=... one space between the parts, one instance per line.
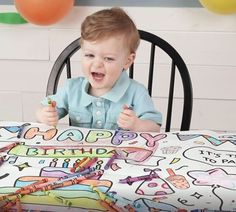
x=47 y=115
x=129 y=121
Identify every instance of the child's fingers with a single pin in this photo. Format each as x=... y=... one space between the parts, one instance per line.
x=124 y=121
x=125 y=106
x=121 y=124
x=52 y=115
x=49 y=109
x=123 y=116
x=52 y=120
x=128 y=112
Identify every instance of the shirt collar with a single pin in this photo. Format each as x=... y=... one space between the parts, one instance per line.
x=119 y=88
x=86 y=99
x=113 y=95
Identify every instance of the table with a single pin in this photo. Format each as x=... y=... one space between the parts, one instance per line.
x=191 y=169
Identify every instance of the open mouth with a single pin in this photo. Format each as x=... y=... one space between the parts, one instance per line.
x=98 y=76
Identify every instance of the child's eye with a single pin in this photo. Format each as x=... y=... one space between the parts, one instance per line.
x=109 y=59
x=89 y=55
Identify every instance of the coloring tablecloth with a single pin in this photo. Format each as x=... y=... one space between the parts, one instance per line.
x=196 y=169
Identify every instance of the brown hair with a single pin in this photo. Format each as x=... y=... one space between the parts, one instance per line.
x=109 y=22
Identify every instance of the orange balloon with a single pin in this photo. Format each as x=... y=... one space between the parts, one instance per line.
x=43 y=12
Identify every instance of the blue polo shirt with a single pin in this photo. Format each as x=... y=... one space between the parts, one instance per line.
x=102 y=112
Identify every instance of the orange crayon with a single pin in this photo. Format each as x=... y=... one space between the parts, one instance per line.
x=114 y=206
x=79 y=164
x=52 y=103
x=18 y=205
x=87 y=164
x=9 y=146
x=107 y=206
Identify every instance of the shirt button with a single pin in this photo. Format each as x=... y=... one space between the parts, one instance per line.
x=78 y=118
x=99 y=104
x=99 y=123
x=98 y=113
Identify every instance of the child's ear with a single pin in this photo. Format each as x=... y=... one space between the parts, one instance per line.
x=130 y=60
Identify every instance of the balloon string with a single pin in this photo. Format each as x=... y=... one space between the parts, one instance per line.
x=12 y=18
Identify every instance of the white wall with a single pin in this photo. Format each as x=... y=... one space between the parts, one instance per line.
x=206 y=41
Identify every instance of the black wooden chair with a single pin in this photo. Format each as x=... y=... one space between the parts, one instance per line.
x=63 y=62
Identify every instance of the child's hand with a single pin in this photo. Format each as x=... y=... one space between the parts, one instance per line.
x=48 y=115
x=127 y=119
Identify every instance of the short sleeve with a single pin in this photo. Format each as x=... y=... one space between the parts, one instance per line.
x=144 y=107
x=61 y=98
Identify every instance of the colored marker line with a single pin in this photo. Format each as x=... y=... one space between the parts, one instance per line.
x=9 y=146
x=110 y=161
x=130 y=180
x=58 y=198
x=22 y=127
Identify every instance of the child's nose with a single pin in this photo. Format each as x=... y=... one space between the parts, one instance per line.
x=98 y=62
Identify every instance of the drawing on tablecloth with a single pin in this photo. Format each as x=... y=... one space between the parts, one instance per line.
x=164 y=171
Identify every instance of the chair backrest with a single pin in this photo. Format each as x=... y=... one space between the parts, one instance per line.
x=63 y=62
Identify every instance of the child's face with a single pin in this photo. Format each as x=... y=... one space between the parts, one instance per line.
x=103 y=61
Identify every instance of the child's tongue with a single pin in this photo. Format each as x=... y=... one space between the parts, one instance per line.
x=98 y=76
